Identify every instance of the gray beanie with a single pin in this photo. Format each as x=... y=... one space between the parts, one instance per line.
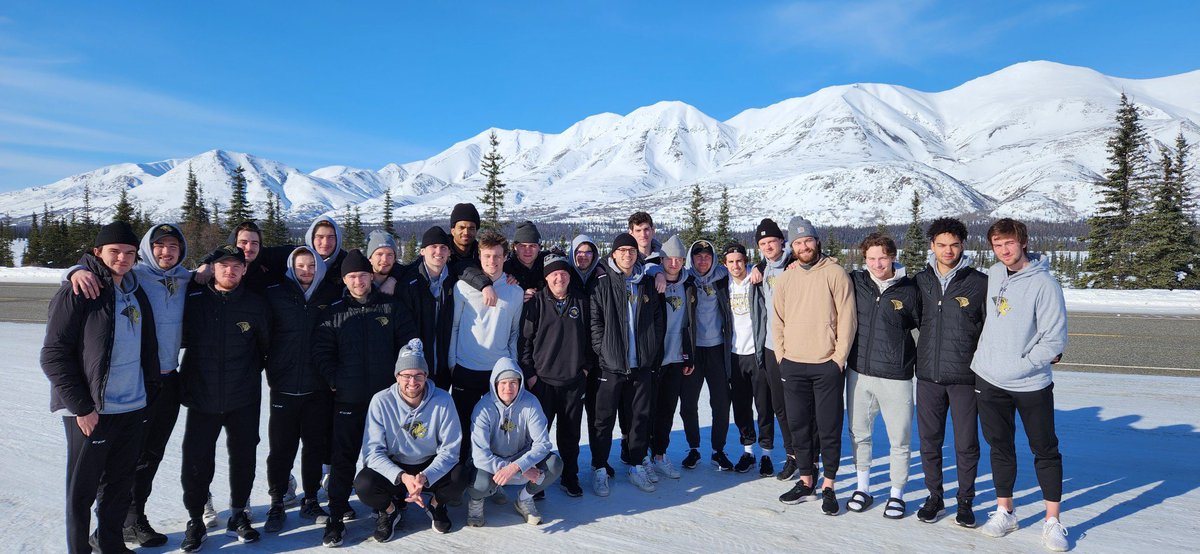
x=380 y=239
x=674 y=248
x=412 y=356
x=527 y=232
x=799 y=228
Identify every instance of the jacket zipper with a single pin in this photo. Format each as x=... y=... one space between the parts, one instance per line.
x=871 y=333
x=112 y=337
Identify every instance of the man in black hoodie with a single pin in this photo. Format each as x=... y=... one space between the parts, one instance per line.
x=225 y=335
x=101 y=357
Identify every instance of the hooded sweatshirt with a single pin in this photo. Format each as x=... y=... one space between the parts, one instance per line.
x=319 y=270
x=397 y=433
x=126 y=390
x=631 y=308
x=1024 y=329
x=584 y=280
x=480 y=334
x=678 y=296
x=516 y=433
x=295 y=314
x=771 y=272
x=712 y=299
x=814 y=320
x=963 y=261
x=333 y=262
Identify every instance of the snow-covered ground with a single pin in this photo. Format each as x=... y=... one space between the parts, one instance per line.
x=1129 y=443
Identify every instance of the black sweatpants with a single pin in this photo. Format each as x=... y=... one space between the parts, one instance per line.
x=934 y=401
x=376 y=491
x=564 y=403
x=775 y=391
x=666 y=399
x=633 y=392
x=815 y=399
x=295 y=418
x=743 y=372
x=997 y=417
x=160 y=424
x=349 y=422
x=100 y=470
x=200 y=435
x=710 y=368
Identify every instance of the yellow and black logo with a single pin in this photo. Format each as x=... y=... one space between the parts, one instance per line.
x=383 y=321
x=417 y=429
x=898 y=305
x=675 y=302
x=244 y=326
x=963 y=301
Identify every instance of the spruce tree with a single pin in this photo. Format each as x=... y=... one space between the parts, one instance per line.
x=6 y=237
x=696 y=218
x=410 y=248
x=493 y=190
x=1168 y=255
x=1111 y=238
x=914 y=256
x=724 y=237
x=33 y=245
x=353 y=237
x=124 y=211
x=274 y=229
x=239 y=207
x=193 y=212
x=388 y=225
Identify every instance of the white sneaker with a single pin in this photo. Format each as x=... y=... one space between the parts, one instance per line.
x=210 y=514
x=475 y=513
x=1054 y=535
x=637 y=476
x=528 y=509
x=289 y=497
x=665 y=468
x=600 y=482
x=1000 y=523
x=648 y=468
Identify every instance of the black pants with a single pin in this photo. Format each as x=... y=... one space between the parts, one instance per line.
x=377 y=492
x=666 y=399
x=100 y=470
x=200 y=451
x=743 y=372
x=632 y=392
x=349 y=422
x=815 y=400
x=564 y=403
x=775 y=391
x=296 y=418
x=710 y=368
x=469 y=386
x=934 y=401
x=160 y=423
x=997 y=416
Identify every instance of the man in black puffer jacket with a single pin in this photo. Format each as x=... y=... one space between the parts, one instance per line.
x=426 y=290
x=225 y=334
x=953 y=296
x=881 y=368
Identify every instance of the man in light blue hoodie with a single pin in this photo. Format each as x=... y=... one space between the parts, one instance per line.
x=510 y=442
x=1024 y=332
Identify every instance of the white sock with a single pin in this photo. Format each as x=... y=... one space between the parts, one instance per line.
x=766 y=452
x=864 y=480
x=749 y=449
x=525 y=494
x=896 y=493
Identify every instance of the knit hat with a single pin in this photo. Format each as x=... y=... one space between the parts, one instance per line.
x=767 y=228
x=354 y=262
x=165 y=230
x=622 y=240
x=799 y=228
x=527 y=232
x=225 y=252
x=117 y=232
x=464 y=212
x=412 y=356
x=702 y=246
x=554 y=262
x=381 y=239
x=735 y=247
x=435 y=235
x=674 y=248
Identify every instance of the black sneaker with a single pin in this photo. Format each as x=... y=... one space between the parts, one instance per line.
x=386 y=524
x=766 y=468
x=829 y=502
x=441 y=519
x=94 y=542
x=311 y=509
x=540 y=495
x=789 y=469
x=349 y=515
x=333 y=533
x=239 y=526
x=275 y=518
x=966 y=514
x=572 y=488
x=692 y=458
x=193 y=537
x=744 y=463
x=142 y=534
x=799 y=493
x=933 y=509
x=722 y=462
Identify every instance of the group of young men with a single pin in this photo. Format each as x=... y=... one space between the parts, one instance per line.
x=422 y=383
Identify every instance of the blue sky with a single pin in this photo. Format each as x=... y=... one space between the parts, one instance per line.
x=87 y=84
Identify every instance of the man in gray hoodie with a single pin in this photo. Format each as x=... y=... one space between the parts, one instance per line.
x=711 y=333
x=510 y=442
x=1024 y=332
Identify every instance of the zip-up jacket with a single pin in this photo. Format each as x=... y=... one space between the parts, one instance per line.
x=759 y=311
x=883 y=344
x=527 y=277
x=555 y=344
x=951 y=322
x=355 y=346
x=397 y=433
x=714 y=283
x=516 y=433
x=226 y=337
x=433 y=324
x=295 y=314
x=610 y=323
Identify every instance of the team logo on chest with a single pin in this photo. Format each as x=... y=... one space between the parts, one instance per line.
x=244 y=326
x=898 y=305
x=131 y=312
x=963 y=301
x=507 y=426
x=171 y=284
x=675 y=302
x=383 y=321
x=573 y=312
x=417 y=429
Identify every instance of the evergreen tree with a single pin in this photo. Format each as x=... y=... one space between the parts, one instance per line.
x=193 y=211
x=1166 y=232
x=33 y=246
x=1111 y=238
x=696 y=219
x=914 y=255
x=833 y=248
x=274 y=230
x=354 y=237
x=124 y=211
x=493 y=189
x=387 y=213
x=410 y=248
x=6 y=237
x=239 y=206
x=724 y=237
x=215 y=215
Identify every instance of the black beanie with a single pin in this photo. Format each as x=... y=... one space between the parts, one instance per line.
x=527 y=232
x=435 y=235
x=767 y=228
x=356 y=261
x=117 y=232
x=622 y=240
x=464 y=212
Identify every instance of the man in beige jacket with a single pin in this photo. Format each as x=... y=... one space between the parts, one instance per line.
x=813 y=327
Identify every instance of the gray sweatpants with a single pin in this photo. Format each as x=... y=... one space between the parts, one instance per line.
x=867 y=397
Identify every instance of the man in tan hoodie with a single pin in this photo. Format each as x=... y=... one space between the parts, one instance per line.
x=813 y=327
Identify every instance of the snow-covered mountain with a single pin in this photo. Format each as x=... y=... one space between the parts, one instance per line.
x=1028 y=141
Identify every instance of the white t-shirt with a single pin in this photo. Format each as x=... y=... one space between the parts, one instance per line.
x=743 y=326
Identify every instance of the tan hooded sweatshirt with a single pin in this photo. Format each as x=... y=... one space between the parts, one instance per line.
x=814 y=319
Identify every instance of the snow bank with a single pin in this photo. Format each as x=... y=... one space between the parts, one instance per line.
x=30 y=275
x=1151 y=301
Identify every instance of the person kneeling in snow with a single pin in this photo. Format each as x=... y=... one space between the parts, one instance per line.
x=510 y=445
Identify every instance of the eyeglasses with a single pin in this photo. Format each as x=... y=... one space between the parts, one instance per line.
x=412 y=377
x=625 y=250
x=585 y=252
